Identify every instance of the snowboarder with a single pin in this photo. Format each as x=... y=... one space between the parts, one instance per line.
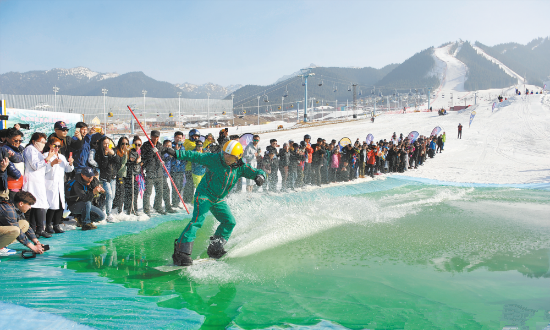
x=224 y=170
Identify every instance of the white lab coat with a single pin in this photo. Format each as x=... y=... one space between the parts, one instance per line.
x=55 y=182
x=35 y=176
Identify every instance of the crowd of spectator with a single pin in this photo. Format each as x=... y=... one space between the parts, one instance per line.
x=91 y=176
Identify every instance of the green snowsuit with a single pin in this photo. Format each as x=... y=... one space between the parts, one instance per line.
x=214 y=186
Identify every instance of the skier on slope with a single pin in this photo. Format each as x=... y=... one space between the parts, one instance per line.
x=224 y=170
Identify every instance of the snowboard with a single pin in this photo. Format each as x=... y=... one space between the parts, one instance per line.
x=171 y=268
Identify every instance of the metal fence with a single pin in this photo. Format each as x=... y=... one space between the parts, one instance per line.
x=158 y=109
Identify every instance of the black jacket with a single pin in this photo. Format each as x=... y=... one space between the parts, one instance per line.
x=77 y=191
x=67 y=146
x=317 y=157
x=133 y=167
x=151 y=164
x=284 y=158
x=108 y=164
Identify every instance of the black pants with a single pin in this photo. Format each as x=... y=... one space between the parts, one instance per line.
x=37 y=219
x=158 y=185
x=332 y=174
x=459 y=134
x=316 y=174
x=189 y=189
x=54 y=217
x=307 y=173
x=178 y=180
x=131 y=187
x=119 y=194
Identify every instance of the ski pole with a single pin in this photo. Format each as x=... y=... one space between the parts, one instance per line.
x=160 y=159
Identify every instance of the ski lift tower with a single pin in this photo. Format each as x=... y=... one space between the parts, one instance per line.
x=305 y=74
x=354 y=100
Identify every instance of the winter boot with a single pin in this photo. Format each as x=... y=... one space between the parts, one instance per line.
x=215 y=249
x=182 y=253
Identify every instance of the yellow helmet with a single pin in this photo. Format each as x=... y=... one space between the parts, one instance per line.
x=234 y=148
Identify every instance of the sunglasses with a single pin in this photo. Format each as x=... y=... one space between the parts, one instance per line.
x=138 y=145
x=256 y=140
x=56 y=146
x=125 y=144
x=17 y=141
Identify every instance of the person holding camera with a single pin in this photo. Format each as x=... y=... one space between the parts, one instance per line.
x=13 y=225
x=79 y=193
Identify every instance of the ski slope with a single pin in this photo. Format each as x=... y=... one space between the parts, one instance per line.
x=506 y=69
x=452 y=74
x=508 y=146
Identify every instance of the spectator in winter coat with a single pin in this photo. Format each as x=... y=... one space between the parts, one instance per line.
x=293 y=164
x=198 y=169
x=334 y=163
x=433 y=145
x=61 y=131
x=189 y=145
x=249 y=157
x=177 y=169
x=362 y=160
x=123 y=152
x=108 y=163
x=79 y=193
x=307 y=162
x=131 y=184
x=460 y=131
x=272 y=163
x=371 y=160
x=439 y=144
x=16 y=168
x=284 y=162
x=154 y=175
x=443 y=140
x=316 y=164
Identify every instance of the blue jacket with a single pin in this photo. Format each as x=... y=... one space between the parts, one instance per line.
x=168 y=163
x=432 y=145
x=80 y=156
x=177 y=166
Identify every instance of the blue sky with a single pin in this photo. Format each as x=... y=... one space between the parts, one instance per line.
x=247 y=42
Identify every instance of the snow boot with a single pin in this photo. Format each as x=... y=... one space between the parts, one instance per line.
x=182 y=253
x=215 y=249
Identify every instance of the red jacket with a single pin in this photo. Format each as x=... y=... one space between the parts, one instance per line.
x=309 y=150
x=371 y=157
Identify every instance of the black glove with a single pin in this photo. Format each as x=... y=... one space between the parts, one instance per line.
x=171 y=152
x=259 y=180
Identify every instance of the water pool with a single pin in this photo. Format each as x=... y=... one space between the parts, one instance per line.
x=384 y=254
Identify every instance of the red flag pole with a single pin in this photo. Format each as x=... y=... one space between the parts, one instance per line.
x=160 y=159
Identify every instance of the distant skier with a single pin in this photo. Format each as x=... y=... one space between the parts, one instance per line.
x=460 y=131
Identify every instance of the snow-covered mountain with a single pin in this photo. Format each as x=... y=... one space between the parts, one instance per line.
x=42 y=82
x=84 y=81
x=202 y=91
